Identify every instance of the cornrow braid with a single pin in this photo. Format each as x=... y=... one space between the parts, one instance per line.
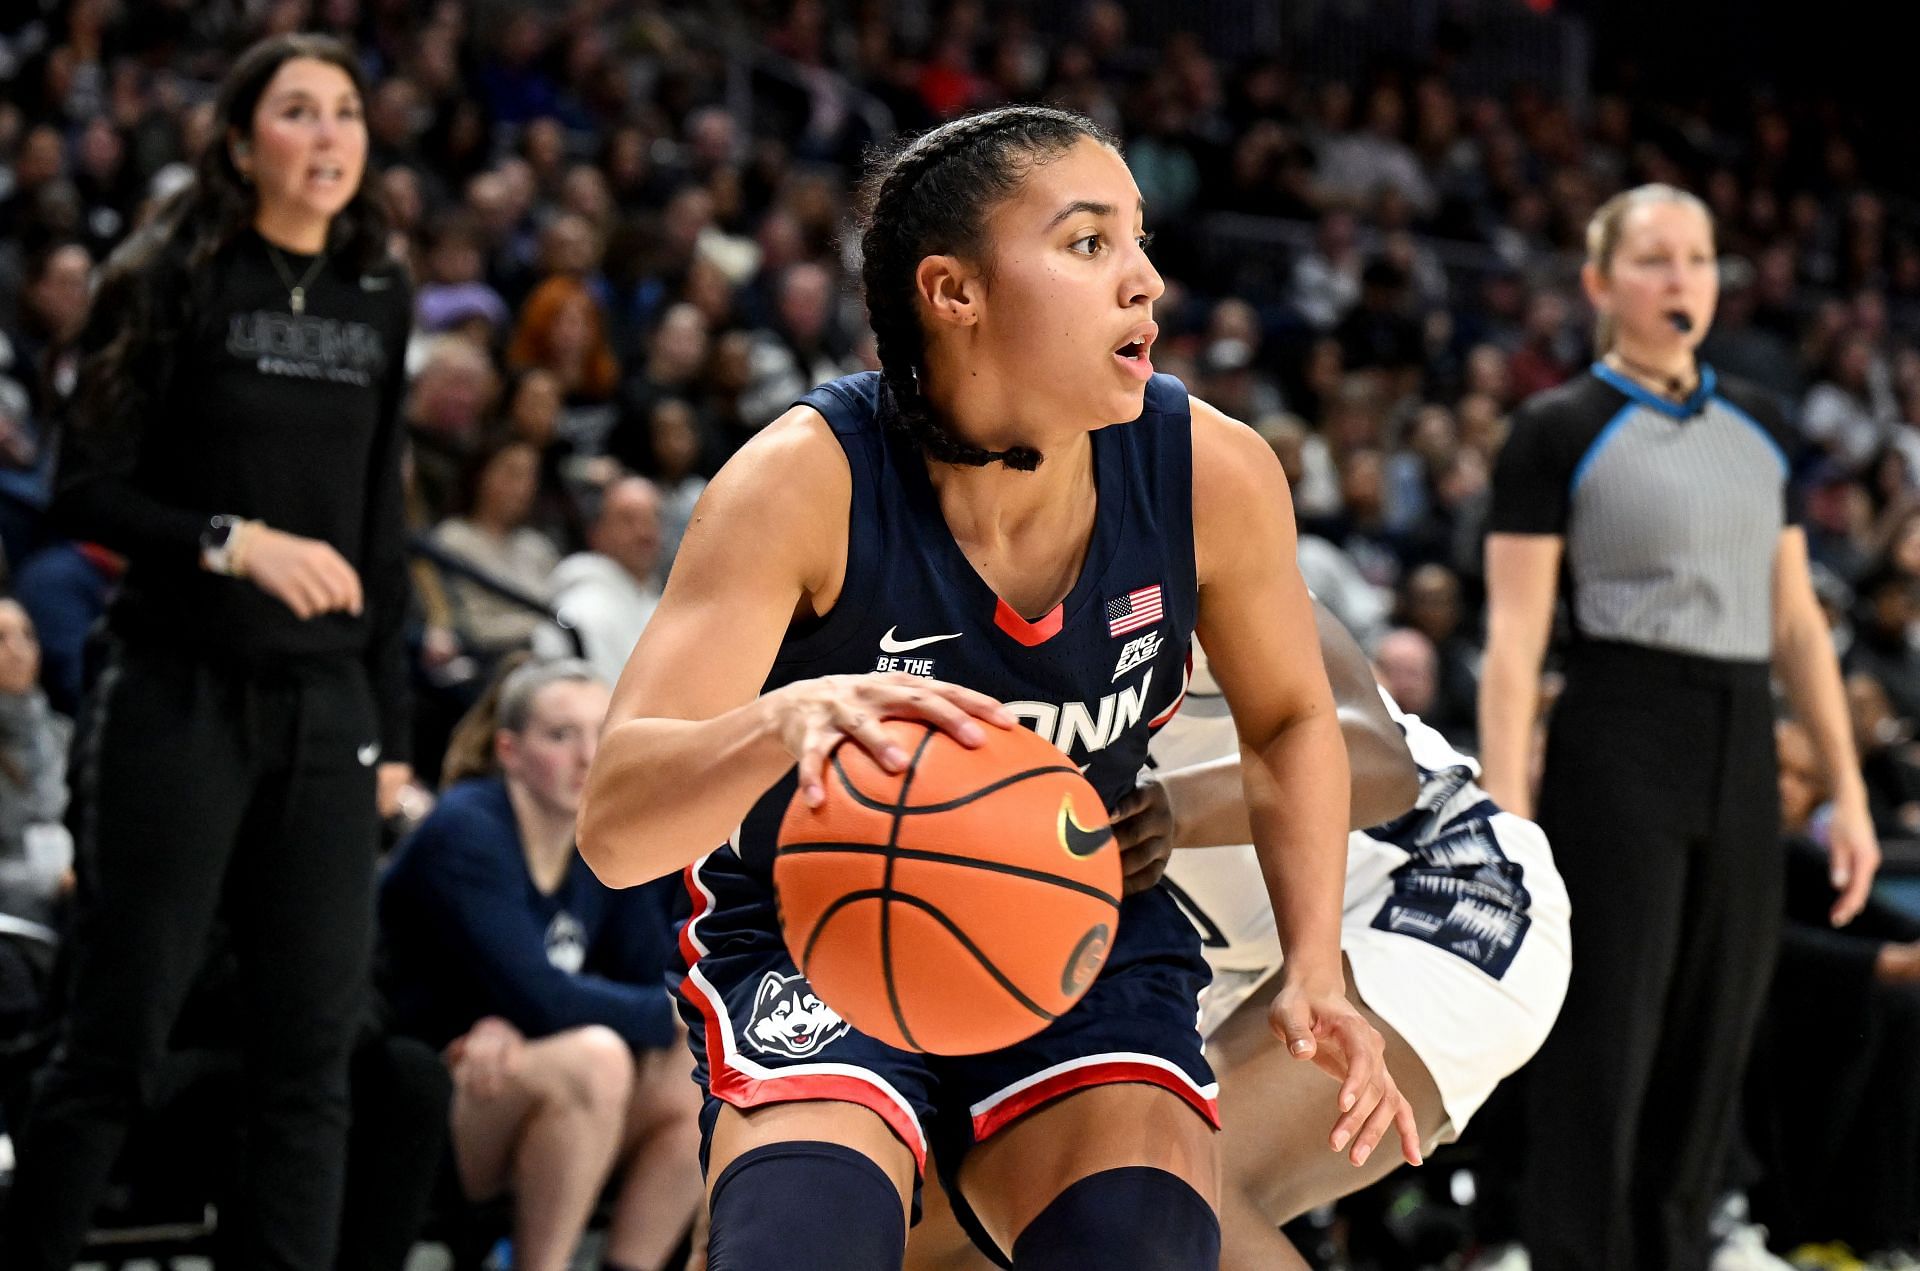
x=931 y=197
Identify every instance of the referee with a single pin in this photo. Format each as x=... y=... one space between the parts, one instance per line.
x=236 y=436
x=1658 y=492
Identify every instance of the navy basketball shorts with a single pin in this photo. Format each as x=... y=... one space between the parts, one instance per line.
x=759 y=1035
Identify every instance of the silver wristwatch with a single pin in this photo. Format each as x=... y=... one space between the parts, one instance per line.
x=216 y=544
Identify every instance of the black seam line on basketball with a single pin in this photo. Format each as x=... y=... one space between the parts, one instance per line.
x=953 y=929
x=951 y=858
x=886 y=885
x=868 y=801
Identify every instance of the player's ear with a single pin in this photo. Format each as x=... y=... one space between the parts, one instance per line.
x=949 y=290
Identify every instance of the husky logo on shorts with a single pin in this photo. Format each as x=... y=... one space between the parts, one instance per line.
x=789 y=1019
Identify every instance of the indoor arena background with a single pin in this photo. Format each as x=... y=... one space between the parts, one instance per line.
x=627 y=226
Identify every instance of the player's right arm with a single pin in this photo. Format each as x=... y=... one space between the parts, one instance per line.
x=689 y=743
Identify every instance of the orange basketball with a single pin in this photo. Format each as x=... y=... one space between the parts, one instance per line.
x=955 y=907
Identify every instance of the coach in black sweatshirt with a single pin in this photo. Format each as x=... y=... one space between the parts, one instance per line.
x=236 y=437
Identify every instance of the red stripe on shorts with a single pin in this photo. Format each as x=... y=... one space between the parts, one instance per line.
x=992 y=1120
x=743 y=1090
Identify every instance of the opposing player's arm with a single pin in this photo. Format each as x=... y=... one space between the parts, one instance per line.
x=1256 y=624
x=689 y=744
x=1208 y=799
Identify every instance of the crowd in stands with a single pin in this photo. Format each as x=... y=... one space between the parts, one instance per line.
x=626 y=226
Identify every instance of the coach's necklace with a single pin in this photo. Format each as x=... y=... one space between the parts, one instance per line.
x=296 y=291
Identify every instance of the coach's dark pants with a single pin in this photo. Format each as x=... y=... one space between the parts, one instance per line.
x=1661 y=803
x=201 y=785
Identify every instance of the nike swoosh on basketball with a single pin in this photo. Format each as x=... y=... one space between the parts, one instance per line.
x=1077 y=838
x=888 y=644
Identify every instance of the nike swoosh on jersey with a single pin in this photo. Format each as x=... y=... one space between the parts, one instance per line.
x=1077 y=838
x=888 y=644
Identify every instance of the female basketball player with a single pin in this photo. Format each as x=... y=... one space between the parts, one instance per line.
x=1658 y=492
x=1455 y=936
x=966 y=524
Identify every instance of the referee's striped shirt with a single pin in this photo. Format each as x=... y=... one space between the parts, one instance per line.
x=1671 y=511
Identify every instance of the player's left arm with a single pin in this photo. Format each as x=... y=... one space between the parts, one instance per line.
x=1256 y=623
x=1803 y=657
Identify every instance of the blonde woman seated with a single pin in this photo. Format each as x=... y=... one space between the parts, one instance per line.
x=544 y=986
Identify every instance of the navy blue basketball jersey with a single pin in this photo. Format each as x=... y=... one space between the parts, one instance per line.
x=1095 y=676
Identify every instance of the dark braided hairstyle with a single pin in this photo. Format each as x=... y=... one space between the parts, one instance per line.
x=931 y=197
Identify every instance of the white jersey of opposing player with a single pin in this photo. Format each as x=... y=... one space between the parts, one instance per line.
x=1455 y=919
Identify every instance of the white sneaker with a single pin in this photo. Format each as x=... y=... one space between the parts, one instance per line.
x=1509 y=1257
x=1743 y=1247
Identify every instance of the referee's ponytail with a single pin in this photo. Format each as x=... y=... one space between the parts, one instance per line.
x=1604 y=232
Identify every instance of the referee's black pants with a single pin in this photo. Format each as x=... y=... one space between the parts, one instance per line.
x=204 y=788
x=1661 y=802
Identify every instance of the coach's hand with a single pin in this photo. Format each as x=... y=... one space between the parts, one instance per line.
x=1143 y=827
x=1318 y=1023
x=817 y=715
x=304 y=574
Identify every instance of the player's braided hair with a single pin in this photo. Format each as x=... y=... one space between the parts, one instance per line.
x=931 y=197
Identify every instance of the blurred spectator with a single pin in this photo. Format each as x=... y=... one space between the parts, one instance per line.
x=492 y=534
x=1888 y=761
x=544 y=986
x=1883 y=644
x=1326 y=281
x=39 y=350
x=1841 y=414
x=676 y=357
x=607 y=593
x=64 y=587
x=1431 y=604
x=1358 y=166
x=35 y=849
x=804 y=346
x=533 y=415
x=1548 y=353
x=675 y=470
x=1839 y=522
x=562 y=330
x=1836 y=1128
x=451 y=396
x=1409 y=668
x=1381 y=332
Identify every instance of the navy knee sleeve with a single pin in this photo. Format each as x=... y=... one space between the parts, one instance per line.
x=805 y=1207
x=1132 y=1219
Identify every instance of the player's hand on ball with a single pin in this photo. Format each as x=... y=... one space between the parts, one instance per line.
x=1143 y=827
x=816 y=715
x=1318 y=1023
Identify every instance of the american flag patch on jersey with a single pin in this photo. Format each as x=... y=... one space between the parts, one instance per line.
x=1134 y=610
